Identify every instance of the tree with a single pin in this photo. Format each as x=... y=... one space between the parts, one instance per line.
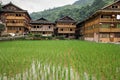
x=97 y=4
x=2 y=28
x=0 y=5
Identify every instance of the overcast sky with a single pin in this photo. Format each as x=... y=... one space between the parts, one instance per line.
x=38 y=5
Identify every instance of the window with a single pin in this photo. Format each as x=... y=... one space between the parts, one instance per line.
x=89 y=35
x=117 y=35
x=114 y=6
x=12 y=28
x=9 y=28
x=17 y=15
x=105 y=16
x=34 y=26
x=49 y=27
x=20 y=29
x=37 y=26
x=101 y=16
x=113 y=25
x=104 y=35
x=8 y=21
x=61 y=29
x=13 y=21
x=20 y=21
x=71 y=30
x=89 y=28
x=118 y=25
x=71 y=35
x=105 y=25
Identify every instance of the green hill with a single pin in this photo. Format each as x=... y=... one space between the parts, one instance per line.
x=83 y=2
x=79 y=10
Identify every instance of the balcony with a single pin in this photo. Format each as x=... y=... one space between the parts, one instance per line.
x=89 y=31
x=47 y=34
x=15 y=24
x=70 y=26
x=109 y=30
x=14 y=17
x=35 y=29
x=109 y=20
x=66 y=31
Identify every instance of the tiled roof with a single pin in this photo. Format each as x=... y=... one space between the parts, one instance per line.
x=12 y=11
x=41 y=21
x=65 y=19
x=102 y=10
x=3 y=6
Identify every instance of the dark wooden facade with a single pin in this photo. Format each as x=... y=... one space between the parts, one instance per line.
x=42 y=26
x=16 y=19
x=66 y=26
x=102 y=26
x=80 y=30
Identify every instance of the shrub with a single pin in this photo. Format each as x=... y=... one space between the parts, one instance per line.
x=46 y=37
x=60 y=37
x=37 y=35
x=30 y=35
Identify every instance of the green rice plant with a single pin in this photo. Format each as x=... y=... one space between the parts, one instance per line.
x=69 y=57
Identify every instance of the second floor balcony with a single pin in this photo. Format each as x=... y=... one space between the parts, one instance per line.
x=109 y=30
x=41 y=29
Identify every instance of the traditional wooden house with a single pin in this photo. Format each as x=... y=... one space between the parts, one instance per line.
x=66 y=26
x=42 y=26
x=15 y=19
x=103 y=25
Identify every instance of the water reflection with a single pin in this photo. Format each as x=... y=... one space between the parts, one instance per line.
x=39 y=71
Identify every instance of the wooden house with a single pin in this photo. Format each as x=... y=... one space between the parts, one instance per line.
x=15 y=19
x=103 y=25
x=65 y=26
x=42 y=26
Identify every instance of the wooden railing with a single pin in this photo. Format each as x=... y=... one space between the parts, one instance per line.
x=92 y=30
x=108 y=20
x=89 y=31
x=14 y=31
x=66 y=31
x=66 y=26
x=15 y=24
x=35 y=29
x=109 y=29
x=47 y=34
x=13 y=17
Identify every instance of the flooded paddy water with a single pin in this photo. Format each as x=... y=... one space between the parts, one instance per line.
x=44 y=71
x=39 y=71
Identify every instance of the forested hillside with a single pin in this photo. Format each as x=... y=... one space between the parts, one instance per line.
x=83 y=2
x=79 y=10
x=0 y=5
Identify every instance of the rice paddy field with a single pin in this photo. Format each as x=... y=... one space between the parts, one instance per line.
x=59 y=60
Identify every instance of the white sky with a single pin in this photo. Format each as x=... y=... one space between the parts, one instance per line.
x=38 y=5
